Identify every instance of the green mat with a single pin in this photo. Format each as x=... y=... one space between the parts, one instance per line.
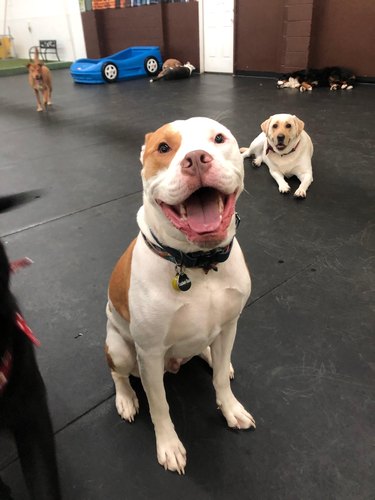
x=18 y=66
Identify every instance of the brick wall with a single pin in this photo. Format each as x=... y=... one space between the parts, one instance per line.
x=110 y=30
x=107 y=4
x=343 y=35
x=296 y=34
x=258 y=35
x=271 y=37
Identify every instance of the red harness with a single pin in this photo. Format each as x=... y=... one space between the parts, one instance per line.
x=22 y=325
x=16 y=265
x=6 y=360
x=5 y=368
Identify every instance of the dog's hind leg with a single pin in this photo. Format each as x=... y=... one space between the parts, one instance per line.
x=121 y=358
x=245 y=152
x=206 y=355
x=255 y=149
x=257 y=161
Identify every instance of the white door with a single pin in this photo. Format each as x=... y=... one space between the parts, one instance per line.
x=217 y=35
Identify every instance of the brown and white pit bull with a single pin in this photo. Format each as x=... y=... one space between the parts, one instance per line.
x=180 y=287
x=41 y=82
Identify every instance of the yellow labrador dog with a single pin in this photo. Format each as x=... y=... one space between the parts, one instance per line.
x=285 y=147
x=179 y=288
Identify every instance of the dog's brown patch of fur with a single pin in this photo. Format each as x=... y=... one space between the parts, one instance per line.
x=108 y=357
x=120 y=282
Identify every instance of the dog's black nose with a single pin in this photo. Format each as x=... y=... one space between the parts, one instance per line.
x=281 y=137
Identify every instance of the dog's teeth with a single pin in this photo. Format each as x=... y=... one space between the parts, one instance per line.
x=221 y=205
x=183 y=211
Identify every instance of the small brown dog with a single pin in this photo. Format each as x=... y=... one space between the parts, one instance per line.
x=40 y=80
x=167 y=65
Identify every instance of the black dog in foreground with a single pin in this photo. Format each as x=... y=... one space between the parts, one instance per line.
x=23 y=398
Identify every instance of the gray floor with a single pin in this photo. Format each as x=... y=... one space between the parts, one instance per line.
x=304 y=353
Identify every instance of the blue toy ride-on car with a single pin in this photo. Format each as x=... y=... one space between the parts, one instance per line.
x=130 y=63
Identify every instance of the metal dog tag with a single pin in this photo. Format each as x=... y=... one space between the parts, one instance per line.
x=181 y=282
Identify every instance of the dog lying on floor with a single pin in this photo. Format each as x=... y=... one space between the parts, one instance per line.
x=180 y=287
x=40 y=81
x=174 y=70
x=23 y=400
x=333 y=77
x=285 y=147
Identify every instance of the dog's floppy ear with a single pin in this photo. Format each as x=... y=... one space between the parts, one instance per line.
x=265 y=125
x=300 y=125
x=147 y=136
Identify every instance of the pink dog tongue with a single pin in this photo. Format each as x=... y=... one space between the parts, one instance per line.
x=202 y=210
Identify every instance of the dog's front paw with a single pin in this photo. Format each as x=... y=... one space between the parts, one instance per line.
x=284 y=188
x=171 y=453
x=127 y=405
x=39 y=108
x=236 y=415
x=300 y=193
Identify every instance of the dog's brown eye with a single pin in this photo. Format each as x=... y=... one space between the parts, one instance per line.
x=288 y=125
x=274 y=125
x=219 y=139
x=163 y=147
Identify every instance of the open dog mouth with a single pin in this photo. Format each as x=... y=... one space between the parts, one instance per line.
x=280 y=146
x=204 y=216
